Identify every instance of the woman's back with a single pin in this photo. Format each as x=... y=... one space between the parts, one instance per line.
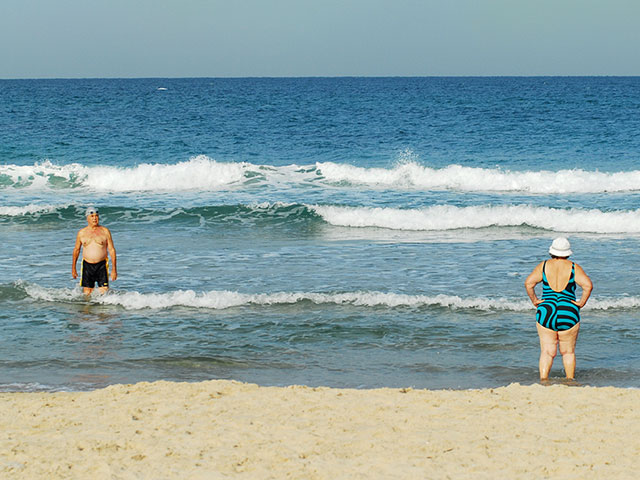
x=558 y=273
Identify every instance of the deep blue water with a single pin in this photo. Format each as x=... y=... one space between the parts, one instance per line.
x=354 y=232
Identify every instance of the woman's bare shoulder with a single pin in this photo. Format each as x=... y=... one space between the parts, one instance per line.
x=579 y=268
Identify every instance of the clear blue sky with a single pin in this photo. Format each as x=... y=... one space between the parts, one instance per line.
x=221 y=38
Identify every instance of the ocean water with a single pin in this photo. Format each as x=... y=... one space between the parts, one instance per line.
x=349 y=232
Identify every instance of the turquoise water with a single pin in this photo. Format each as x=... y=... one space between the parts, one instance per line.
x=357 y=232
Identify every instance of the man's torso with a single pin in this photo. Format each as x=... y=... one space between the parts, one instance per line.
x=94 y=243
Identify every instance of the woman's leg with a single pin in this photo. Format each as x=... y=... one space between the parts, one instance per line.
x=548 y=350
x=567 y=342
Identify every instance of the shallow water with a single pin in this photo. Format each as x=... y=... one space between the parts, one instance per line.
x=344 y=232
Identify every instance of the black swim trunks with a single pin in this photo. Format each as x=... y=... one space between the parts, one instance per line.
x=95 y=272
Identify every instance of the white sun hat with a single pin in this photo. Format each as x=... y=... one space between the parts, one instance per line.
x=560 y=247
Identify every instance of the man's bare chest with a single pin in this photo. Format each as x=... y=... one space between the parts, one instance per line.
x=93 y=238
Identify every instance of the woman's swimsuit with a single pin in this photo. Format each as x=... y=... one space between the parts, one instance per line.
x=557 y=312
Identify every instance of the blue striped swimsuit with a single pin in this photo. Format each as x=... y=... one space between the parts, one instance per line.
x=557 y=312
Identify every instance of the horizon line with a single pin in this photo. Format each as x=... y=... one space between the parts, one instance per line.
x=231 y=77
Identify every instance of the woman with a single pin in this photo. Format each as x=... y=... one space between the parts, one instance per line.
x=558 y=313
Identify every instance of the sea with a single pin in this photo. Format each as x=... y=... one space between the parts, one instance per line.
x=342 y=232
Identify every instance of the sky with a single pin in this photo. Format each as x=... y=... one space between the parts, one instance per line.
x=299 y=38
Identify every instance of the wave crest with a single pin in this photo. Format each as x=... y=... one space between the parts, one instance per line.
x=436 y=218
x=448 y=217
x=201 y=173
x=30 y=209
x=472 y=179
x=224 y=299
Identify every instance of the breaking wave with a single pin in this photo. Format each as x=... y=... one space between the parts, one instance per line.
x=202 y=173
x=472 y=179
x=435 y=218
x=224 y=299
x=447 y=217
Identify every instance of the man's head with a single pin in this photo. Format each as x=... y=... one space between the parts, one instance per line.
x=92 y=215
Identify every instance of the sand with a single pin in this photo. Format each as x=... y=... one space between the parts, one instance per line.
x=225 y=429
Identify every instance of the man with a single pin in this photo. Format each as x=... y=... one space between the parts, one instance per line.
x=95 y=241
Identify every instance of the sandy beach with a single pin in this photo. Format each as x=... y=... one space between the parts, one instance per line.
x=226 y=429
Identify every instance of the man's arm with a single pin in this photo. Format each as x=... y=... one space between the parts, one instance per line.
x=76 y=254
x=112 y=253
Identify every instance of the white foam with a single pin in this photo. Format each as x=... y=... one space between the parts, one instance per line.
x=29 y=387
x=199 y=173
x=204 y=173
x=411 y=175
x=39 y=175
x=227 y=299
x=613 y=303
x=224 y=299
x=29 y=209
x=51 y=294
x=449 y=217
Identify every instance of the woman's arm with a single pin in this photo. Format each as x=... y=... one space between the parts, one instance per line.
x=532 y=280
x=584 y=282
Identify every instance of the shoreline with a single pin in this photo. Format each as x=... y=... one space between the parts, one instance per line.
x=553 y=381
x=222 y=428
